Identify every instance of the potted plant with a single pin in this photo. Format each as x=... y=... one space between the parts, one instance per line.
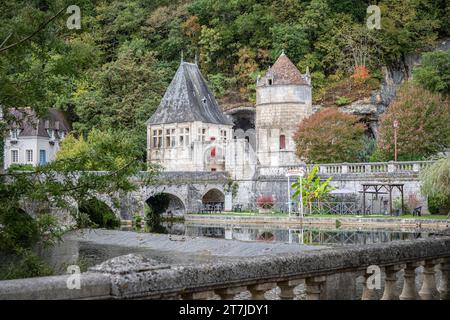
x=265 y=203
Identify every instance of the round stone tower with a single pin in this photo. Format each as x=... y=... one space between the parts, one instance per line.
x=283 y=99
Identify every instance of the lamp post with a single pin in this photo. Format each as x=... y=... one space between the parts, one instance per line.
x=301 y=174
x=395 y=139
x=289 y=194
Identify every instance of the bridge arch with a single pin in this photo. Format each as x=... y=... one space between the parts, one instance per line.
x=175 y=205
x=100 y=212
x=213 y=195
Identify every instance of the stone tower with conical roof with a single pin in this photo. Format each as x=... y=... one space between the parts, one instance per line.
x=283 y=99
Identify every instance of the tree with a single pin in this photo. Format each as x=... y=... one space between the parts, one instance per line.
x=423 y=124
x=435 y=184
x=329 y=136
x=60 y=184
x=312 y=188
x=434 y=71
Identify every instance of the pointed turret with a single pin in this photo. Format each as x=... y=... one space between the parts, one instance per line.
x=283 y=72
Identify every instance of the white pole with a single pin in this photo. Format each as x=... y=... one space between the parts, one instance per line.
x=301 y=197
x=289 y=195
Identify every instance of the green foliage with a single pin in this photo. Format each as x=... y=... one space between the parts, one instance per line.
x=61 y=183
x=137 y=220
x=342 y=101
x=423 y=124
x=99 y=214
x=156 y=205
x=232 y=186
x=368 y=153
x=434 y=71
x=435 y=184
x=312 y=188
x=109 y=150
x=24 y=264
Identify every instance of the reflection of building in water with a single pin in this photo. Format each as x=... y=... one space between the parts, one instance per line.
x=302 y=236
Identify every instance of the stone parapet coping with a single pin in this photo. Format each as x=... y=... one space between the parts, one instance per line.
x=135 y=277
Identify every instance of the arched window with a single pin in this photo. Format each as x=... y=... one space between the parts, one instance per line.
x=282 y=142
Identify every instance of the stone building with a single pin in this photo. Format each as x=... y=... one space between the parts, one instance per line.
x=283 y=99
x=34 y=140
x=189 y=131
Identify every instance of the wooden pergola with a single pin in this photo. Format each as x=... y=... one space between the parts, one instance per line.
x=376 y=189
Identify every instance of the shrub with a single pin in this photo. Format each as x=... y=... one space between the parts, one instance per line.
x=435 y=184
x=434 y=71
x=423 y=124
x=342 y=101
x=265 y=202
x=330 y=136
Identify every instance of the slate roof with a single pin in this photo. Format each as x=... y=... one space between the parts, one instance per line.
x=284 y=71
x=188 y=99
x=31 y=125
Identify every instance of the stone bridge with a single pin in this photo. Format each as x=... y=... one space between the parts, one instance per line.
x=188 y=191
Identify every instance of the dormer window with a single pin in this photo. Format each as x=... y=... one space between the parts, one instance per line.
x=51 y=134
x=62 y=134
x=14 y=134
x=204 y=100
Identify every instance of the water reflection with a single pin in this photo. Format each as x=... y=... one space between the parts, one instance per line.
x=306 y=235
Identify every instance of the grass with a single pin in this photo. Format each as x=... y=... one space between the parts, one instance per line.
x=283 y=214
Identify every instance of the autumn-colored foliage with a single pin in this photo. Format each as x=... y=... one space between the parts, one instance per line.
x=361 y=73
x=329 y=136
x=423 y=128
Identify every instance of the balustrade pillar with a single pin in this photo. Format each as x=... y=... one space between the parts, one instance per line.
x=229 y=293
x=429 y=290
x=368 y=293
x=409 y=291
x=258 y=290
x=445 y=280
x=202 y=295
x=390 y=292
x=287 y=288
x=314 y=287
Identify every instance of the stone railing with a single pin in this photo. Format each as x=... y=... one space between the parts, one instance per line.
x=404 y=167
x=134 y=277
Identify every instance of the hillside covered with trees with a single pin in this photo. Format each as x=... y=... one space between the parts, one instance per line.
x=114 y=70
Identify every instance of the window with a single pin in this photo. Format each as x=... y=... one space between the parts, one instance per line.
x=62 y=134
x=29 y=155
x=51 y=133
x=270 y=82
x=223 y=135
x=184 y=136
x=282 y=142
x=14 y=134
x=157 y=138
x=201 y=134
x=42 y=157
x=170 y=138
x=14 y=156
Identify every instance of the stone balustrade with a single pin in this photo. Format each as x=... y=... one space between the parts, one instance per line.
x=403 y=167
x=135 y=277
